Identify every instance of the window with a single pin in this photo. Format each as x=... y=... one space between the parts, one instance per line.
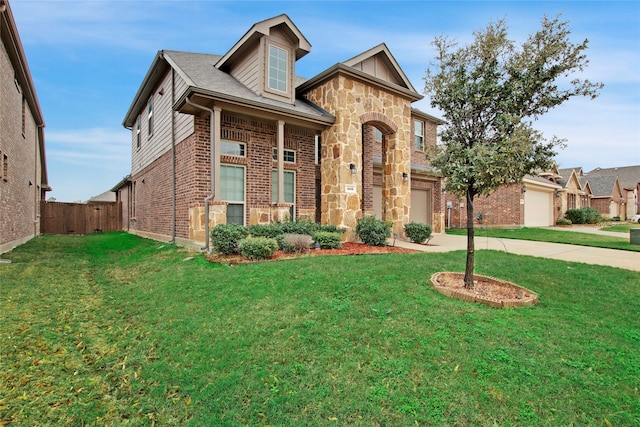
x=378 y=135
x=318 y=151
x=150 y=117
x=4 y=166
x=277 y=68
x=232 y=191
x=231 y=148
x=418 y=130
x=289 y=189
x=138 y=133
x=288 y=155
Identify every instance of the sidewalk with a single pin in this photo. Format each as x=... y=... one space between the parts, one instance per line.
x=610 y=257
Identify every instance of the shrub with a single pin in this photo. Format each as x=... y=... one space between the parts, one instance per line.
x=265 y=230
x=225 y=237
x=563 y=221
x=330 y=228
x=586 y=215
x=299 y=226
x=298 y=243
x=258 y=247
x=417 y=231
x=372 y=231
x=327 y=239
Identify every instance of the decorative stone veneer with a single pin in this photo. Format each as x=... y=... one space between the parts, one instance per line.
x=355 y=104
x=217 y=215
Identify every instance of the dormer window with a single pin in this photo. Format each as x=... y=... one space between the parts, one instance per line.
x=278 y=60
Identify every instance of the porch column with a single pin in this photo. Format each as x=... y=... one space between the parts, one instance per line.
x=280 y=162
x=216 y=148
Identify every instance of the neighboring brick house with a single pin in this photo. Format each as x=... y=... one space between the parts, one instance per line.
x=23 y=171
x=531 y=203
x=575 y=193
x=628 y=203
x=239 y=138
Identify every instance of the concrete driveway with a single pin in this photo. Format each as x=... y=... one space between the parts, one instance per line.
x=611 y=257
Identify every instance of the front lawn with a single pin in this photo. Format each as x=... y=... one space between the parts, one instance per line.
x=621 y=227
x=553 y=236
x=113 y=329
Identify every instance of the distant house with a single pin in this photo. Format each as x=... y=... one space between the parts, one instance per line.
x=625 y=204
x=107 y=196
x=23 y=170
x=575 y=192
x=240 y=138
x=531 y=203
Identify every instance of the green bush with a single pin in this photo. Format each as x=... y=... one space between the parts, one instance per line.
x=330 y=228
x=372 y=231
x=299 y=226
x=258 y=247
x=417 y=231
x=563 y=221
x=265 y=230
x=225 y=237
x=586 y=215
x=327 y=239
x=298 y=243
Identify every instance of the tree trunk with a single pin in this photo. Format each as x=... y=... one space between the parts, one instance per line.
x=468 y=272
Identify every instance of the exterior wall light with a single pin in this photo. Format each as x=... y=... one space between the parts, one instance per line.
x=405 y=176
x=524 y=188
x=353 y=169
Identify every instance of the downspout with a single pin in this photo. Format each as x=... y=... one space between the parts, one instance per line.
x=212 y=161
x=173 y=159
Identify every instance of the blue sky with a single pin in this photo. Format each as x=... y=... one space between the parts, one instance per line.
x=88 y=58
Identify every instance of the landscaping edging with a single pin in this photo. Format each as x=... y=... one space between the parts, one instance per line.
x=442 y=282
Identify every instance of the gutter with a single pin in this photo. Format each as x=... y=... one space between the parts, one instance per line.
x=211 y=195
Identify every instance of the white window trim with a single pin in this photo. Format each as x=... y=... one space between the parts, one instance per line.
x=267 y=86
x=138 y=133
x=150 y=124
x=416 y=134
x=242 y=202
x=241 y=144
x=274 y=154
x=293 y=204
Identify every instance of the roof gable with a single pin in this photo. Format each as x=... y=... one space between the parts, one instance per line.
x=379 y=62
x=629 y=176
x=605 y=186
x=252 y=37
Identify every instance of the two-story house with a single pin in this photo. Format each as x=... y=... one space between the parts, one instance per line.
x=240 y=138
x=23 y=171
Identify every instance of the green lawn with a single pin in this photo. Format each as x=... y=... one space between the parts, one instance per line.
x=113 y=329
x=554 y=236
x=621 y=228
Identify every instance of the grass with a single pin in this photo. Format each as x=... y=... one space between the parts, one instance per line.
x=113 y=329
x=621 y=227
x=554 y=236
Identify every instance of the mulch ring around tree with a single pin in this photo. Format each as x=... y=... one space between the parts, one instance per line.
x=487 y=290
x=347 y=248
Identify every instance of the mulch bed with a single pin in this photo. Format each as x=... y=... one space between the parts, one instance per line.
x=347 y=248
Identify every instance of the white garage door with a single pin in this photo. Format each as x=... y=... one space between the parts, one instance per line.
x=420 y=206
x=538 y=208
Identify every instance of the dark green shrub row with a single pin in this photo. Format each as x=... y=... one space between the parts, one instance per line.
x=586 y=215
x=563 y=221
x=417 y=231
x=258 y=247
x=372 y=231
x=291 y=236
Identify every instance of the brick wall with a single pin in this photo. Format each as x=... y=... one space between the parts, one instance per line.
x=20 y=167
x=502 y=207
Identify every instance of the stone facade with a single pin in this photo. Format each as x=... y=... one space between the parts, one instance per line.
x=355 y=104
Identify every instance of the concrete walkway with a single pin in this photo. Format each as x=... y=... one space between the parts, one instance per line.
x=611 y=257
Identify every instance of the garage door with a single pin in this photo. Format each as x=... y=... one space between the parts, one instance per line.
x=420 y=206
x=538 y=208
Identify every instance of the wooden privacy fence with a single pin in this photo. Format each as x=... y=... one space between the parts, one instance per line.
x=80 y=218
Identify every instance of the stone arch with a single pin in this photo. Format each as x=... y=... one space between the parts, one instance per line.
x=379 y=120
x=369 y=196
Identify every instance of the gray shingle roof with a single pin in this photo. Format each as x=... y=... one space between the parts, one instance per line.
x=629 y=176
x=199 y=70
x=602 y=186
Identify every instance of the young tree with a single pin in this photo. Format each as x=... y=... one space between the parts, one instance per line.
x=490 y=92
